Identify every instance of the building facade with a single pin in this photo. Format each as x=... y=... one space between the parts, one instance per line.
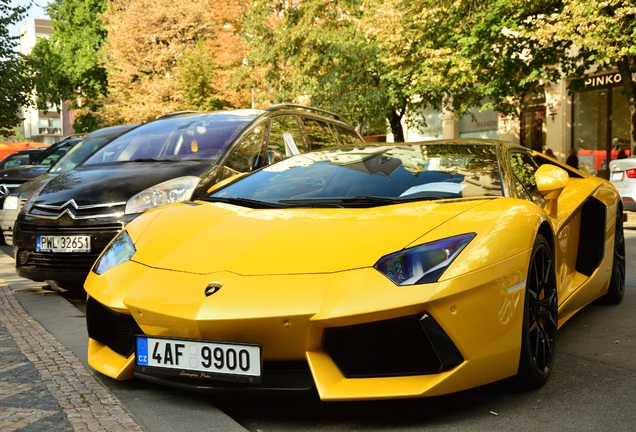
x=42 y=126
x=594 y=120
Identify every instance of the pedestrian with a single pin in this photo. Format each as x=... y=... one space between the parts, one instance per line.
x=573 y=159
x=549 y=152
x=621 y=154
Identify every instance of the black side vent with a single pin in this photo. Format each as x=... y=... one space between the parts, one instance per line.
x=591 y=237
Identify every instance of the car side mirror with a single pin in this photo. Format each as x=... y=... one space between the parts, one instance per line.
x=550 y=181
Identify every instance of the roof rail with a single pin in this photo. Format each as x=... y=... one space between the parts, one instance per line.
x=306 y=108
x=175 y=113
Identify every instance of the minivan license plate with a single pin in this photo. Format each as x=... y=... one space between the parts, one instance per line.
x=71 y=243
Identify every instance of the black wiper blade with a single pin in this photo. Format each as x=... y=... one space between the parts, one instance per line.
x=372 y=199
x=155 y=160
x=246 y=202
x=341 y=202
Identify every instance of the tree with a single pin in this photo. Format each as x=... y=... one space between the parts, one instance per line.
x=604 y=35
x=156 y=57
x=66 y=66
x=480 y=54
x=319 y=52
x=14 y=84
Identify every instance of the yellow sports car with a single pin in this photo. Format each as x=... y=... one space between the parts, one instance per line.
x=374 y=272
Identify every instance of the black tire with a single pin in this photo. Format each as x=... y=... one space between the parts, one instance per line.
x=616 y=290
x=540 y=318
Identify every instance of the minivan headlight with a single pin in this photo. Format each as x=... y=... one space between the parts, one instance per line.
x=171 y=191
x=11 y=203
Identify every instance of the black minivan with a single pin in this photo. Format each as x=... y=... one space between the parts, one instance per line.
x=63 y=227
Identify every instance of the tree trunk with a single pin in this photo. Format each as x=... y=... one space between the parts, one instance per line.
x=624 y=67
x=395 y=121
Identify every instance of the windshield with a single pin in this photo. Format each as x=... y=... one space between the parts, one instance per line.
x=54 y=152
x=77 y=154
x=374 y=175
x=202 y=136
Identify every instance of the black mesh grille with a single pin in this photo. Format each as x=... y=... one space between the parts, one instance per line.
x=76 y=228
x=116 y=331
x=396 y=347
x=80 y=262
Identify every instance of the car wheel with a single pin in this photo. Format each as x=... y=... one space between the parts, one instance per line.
x=540 y=317
x=616 y=289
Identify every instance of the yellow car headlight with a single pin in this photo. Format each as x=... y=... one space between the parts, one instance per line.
x=120 y=250
x=424 y=263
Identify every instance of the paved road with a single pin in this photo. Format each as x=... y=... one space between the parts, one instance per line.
x=46 y=385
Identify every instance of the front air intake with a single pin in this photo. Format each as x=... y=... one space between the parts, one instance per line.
x=413 y=345
x=116 y=331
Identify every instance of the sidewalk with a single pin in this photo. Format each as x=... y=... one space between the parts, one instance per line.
x=43 y=385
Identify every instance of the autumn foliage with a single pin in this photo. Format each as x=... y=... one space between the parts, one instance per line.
x=163 y=56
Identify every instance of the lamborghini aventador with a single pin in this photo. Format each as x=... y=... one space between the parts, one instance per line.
x=371 y=272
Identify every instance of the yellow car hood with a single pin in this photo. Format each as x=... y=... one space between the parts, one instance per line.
x=207 y=238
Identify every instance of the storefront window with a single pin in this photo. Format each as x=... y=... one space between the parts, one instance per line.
x=601 y=123
x=590 y=120
x=429 y=131
x=620 y=120
x=479 y=124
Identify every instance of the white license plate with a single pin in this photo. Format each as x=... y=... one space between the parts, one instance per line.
x=223 y=360
x=617 y=176
x=70 y=243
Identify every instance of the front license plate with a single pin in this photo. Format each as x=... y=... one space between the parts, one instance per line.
x=200 y=359
x=617 y=176
x=71 y=243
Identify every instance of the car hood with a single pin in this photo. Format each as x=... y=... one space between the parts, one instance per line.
x=26 y=189
x=112 y=183
x=208 y=238
x=23 y=172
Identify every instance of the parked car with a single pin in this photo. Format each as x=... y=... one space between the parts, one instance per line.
x=83 y=148
x=21 y=157
x=373 y=272
x=11 y=178
x=63 y=227
x=7 y=148
x=623 y=176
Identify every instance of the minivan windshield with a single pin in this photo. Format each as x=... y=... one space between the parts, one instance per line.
x=188 y=136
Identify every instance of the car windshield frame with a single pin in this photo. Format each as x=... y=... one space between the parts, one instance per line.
x=372 y=176
x=194 y=137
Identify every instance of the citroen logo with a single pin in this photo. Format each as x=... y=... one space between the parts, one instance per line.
x=212 y=288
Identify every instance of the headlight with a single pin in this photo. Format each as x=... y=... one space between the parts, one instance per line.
x=11 y=202
x=424 y=263
x=171 y=191
x=119 y=251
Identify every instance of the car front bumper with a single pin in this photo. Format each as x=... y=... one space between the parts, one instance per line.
x=356 y=334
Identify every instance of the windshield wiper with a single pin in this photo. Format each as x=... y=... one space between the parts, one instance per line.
x=371 y=199
x=154 y=160
x=341 y=201
x=246 y=202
